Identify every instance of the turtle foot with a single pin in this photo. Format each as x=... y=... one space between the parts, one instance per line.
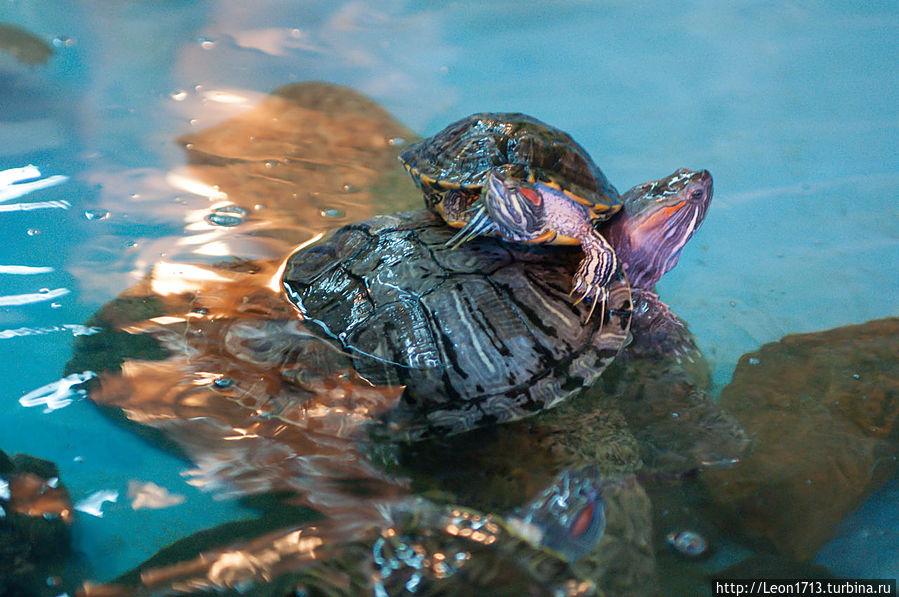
x=593 y=275
x=591 y=281
x=598 y=294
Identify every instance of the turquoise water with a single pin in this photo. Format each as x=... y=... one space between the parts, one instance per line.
x=793 y=107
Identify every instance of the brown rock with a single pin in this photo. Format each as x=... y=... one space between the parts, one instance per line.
x=822 y=409
x=307 y=149
x=25 y=46
x=35 y=526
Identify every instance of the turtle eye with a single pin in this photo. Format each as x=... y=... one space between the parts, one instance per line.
x=696 y=195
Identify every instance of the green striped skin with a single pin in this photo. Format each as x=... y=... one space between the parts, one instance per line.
x=485 y=333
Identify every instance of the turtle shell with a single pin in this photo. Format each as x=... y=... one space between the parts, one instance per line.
x=461 y=155
x=480 y=334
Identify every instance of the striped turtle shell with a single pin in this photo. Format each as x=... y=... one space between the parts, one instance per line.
x=484 y=333
x=461 y=155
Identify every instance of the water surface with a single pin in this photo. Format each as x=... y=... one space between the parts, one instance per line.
x=792 y=106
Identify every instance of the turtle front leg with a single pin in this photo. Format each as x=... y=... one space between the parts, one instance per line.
x=507 y=206
x=595 y=271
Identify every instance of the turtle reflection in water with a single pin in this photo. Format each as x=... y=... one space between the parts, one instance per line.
x=262 y=401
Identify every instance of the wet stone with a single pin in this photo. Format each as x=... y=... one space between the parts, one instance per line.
x=823 y=440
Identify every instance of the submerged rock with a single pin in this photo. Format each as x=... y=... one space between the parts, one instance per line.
x=822 y=409
x=310 y=155
x=35 y=522
x=24 y=46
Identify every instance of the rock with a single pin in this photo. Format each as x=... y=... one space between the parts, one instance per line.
x=35 y=523
x=822 y=410
x=24 y=46
x=308 y=153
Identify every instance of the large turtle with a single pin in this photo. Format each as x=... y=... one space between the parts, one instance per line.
x=297 y=405
x=513 y=175
x=267 y=402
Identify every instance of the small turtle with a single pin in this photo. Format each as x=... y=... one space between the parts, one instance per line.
x=520 y=178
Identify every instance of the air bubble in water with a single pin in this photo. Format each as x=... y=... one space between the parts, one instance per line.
x=223 y=382
x=33 y=232
x=332 y=213
x=96 y=214
x=689 y=544
x=63 y=41
x=224 y=220
x=227 y=216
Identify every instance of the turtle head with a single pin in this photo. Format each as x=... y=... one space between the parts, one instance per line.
x=656 y=221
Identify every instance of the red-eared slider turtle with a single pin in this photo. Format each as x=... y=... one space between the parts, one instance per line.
x=481 y=336
x=520 y=178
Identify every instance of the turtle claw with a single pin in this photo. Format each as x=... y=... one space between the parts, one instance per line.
x=602 y=298
x=594 y=273
x=597 y=293
x=598 y=297
x=480 y=224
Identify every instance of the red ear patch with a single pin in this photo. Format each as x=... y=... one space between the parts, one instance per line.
x=531 y=195
x=583 y=520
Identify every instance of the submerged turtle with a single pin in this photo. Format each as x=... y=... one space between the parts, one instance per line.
x=520 y=178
